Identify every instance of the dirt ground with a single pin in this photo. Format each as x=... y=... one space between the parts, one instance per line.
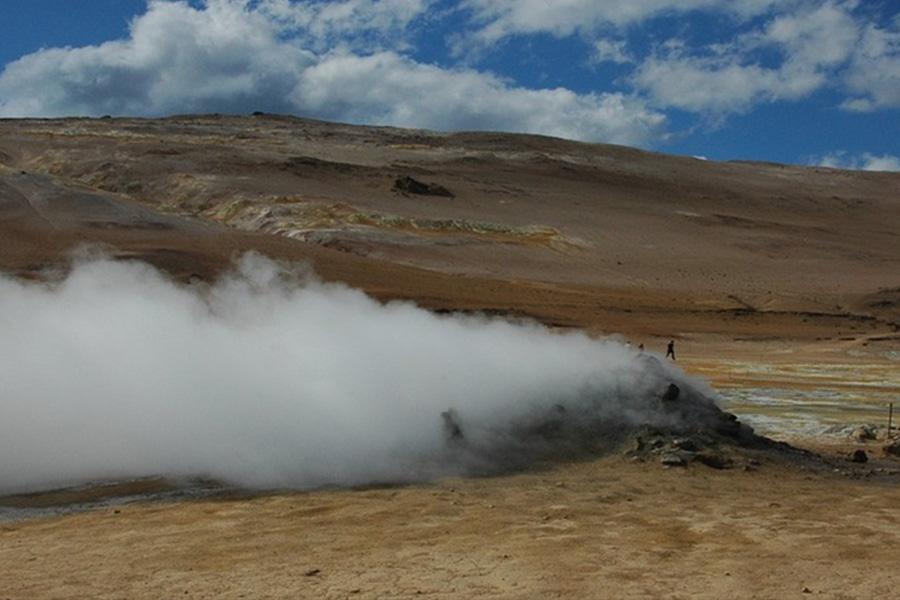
x=608 y=528
x=766 y=276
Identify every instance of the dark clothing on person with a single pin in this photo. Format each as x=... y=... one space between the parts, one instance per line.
x=670 y=349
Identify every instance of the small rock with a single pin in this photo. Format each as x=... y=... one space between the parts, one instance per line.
x=806 y=590
x=312 y=572
x=671 y=459
x=864 y=433
x=714 y=460
x=892 y=448
x=859 y=456
x=685 y=444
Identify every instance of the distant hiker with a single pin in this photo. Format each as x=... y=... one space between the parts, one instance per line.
x=640 y=347
x=670 y=349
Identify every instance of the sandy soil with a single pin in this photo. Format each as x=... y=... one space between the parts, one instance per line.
x=769 y=277
x=601 y=529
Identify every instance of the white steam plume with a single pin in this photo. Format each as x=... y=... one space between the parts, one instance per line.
x=271 y=378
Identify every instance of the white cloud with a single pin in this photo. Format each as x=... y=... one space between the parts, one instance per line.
x=824 y=35
x=865 y=162
x=885 y=162
x=498 y=19
x=726 y=78
x=327 y=23
x=388 y=88
x=237 y=56
x=802 y=47
x=704 y=84
x=611 y=51
x=177 y=59
x=874 y=74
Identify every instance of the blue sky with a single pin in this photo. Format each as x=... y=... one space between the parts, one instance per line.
x=797 y=81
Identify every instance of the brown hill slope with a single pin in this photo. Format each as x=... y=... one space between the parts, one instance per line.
x=592 y=235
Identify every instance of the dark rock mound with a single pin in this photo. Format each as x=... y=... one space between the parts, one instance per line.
x=670 y=423
x=408 y=185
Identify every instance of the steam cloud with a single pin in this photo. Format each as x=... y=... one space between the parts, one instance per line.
x=270 y=378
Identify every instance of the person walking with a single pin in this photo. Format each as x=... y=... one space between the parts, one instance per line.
x=670 y=349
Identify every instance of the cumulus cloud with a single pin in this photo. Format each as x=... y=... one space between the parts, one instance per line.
x=177 y=59
x=238 y=56
x=799 y=48
x=874 y=73
x=390 y=89
x=270 y=378
x=498 y=19
x=729 y=78
x=865 y=162
x=704 y=83
x=815 y=37
x=614 y=51
x=328 y=23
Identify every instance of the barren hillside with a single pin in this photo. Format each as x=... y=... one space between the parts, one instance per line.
x=574 y=234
